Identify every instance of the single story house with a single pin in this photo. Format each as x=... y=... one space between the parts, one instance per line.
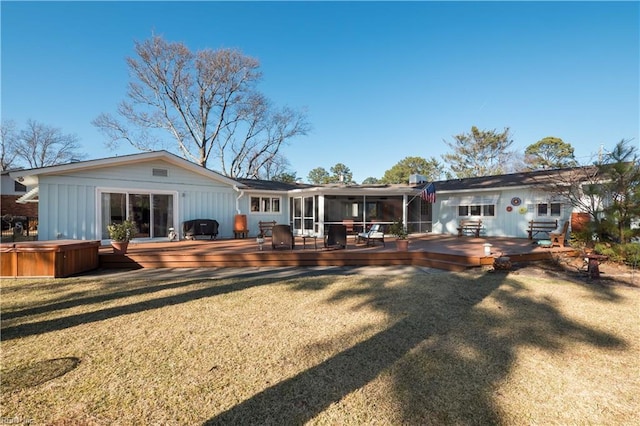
x=159 y=190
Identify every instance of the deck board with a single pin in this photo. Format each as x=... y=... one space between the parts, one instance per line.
x=429 y=250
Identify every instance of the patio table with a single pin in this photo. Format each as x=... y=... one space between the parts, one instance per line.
x=593 y=264
x=306 y=237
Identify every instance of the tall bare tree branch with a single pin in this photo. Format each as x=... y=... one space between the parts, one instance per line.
x=40 y=145
x=8 y=154
x=207 y=101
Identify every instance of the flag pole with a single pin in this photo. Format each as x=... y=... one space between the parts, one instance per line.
x=419 y=193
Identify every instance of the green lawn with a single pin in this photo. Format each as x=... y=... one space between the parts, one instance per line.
x=332 y=346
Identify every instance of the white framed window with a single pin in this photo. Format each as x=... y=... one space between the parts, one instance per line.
x=18 y=187
x=477 y=210
x=265 y=204
x=549 y=209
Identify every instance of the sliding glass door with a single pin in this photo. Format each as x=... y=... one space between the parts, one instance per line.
x=153 y=214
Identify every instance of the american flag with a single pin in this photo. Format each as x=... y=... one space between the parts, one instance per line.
x=428 y=194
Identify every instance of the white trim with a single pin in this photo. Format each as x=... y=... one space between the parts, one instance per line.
x=270 y=198
x=472 y=200
x=30 y=196
x=127 y=191
x=30 y=177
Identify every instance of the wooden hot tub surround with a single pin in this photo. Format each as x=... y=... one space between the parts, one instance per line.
x=57 y=259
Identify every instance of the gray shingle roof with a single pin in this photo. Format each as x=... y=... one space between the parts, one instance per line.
x=270 y=185
x=537 y=177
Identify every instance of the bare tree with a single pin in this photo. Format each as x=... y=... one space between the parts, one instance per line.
x=608 y=191
x=7 y=145
x=277 y=167
x=208 y=102
x=41 y=145
x=580 y=186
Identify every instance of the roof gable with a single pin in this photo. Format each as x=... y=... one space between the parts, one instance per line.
x=30 y=176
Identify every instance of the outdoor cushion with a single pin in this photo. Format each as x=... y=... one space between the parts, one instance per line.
x=374 y=233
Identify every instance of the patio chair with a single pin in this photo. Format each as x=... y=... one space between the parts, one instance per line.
x=336 y=237
x=557 y=238
x=282 y=237
x=375 y=233
x=348 y=223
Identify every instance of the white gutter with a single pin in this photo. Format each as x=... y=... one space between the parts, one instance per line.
x=238 y=199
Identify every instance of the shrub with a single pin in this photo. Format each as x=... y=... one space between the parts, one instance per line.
x=122 y=231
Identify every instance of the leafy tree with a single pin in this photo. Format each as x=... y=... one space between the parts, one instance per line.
x=549 y=153
x=609 y=191
x=340 y=173
x=8 y=139
x=207 y=101
x=479 y=153
x=401 y=171
x=319 y=176
x=622 y=189
x=370 y=181
x=39 y=145
x=285 y=177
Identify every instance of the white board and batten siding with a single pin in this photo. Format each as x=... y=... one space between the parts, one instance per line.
x=66 y=209
x=69 y=203
x=511 y=217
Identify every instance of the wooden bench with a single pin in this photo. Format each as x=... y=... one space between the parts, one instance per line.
x=470 y=226
x=266 y=228
x=537 y=226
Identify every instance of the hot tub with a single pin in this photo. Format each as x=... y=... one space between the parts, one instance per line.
x=57 y=259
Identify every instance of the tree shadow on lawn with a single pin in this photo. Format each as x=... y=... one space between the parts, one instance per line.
x=444 y=353
x=113 y=287
x=245 y=280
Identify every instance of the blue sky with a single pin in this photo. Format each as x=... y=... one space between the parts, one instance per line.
x=381 y=80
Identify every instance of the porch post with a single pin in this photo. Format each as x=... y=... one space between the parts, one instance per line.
x=320 y=217
x=405 y=208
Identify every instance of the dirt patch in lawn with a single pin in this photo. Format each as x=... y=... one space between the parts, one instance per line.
x=574 y=269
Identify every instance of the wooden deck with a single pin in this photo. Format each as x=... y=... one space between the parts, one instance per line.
x=437 y=251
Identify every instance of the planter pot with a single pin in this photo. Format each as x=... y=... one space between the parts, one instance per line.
x=402 y=245
x=120 y=247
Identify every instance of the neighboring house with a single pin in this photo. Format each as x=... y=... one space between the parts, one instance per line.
x=159 y=190
x=16 y=218
x=11 y=190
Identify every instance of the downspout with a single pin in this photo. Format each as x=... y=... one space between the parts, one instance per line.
x=241 y=193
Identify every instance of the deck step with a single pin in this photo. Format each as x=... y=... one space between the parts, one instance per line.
x=244 y=253
x=295 y=258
